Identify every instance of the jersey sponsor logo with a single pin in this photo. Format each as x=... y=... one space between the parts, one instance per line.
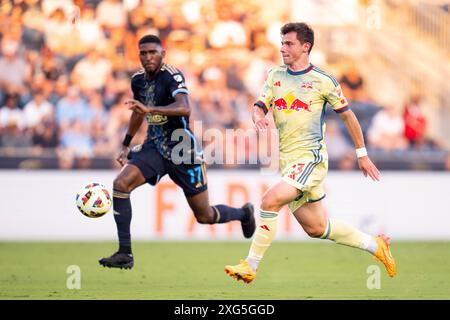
x=295 y=105
x=277 y=84
x=156 y=119
x=298 y=105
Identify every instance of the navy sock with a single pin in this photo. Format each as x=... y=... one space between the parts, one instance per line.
x=122 y=216
x=225 y=213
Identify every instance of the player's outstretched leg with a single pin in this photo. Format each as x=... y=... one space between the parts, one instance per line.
x=245 y=214
x=343 y=233
x=206 y=214
x=129 y=178
x=264 y=235
x=273 y=200
x=312 y=219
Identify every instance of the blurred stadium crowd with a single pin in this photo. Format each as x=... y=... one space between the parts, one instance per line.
x=65 y=70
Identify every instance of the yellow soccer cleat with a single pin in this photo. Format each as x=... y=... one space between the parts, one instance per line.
x=242 y=271
x=384 y=255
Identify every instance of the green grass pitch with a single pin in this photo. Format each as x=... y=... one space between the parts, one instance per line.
x=194 y=270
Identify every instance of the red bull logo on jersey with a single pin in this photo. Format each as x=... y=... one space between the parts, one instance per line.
x=298 y=105
x=295 y=105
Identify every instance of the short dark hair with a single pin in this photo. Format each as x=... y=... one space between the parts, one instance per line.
x=303 y=31
x=150 y=38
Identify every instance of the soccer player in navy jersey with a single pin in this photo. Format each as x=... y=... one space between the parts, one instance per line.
x=162 y=99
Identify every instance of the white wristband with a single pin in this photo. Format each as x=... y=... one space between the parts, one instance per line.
x=361 y=152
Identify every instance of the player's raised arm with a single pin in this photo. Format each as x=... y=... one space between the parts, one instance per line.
x=181 y=107
x=354 y=129
x=259 y=118
x=261 y=107
x=134 y=125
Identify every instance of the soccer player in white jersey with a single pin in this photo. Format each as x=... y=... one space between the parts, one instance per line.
x=297 y=93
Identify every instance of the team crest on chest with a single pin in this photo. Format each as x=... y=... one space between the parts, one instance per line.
x=306 y=85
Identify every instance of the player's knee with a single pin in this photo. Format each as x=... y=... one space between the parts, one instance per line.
x=203 y=219
x=120 y=184
x=270 y=202
x=315 y=231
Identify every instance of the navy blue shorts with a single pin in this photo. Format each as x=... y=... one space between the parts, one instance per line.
x=189 y=177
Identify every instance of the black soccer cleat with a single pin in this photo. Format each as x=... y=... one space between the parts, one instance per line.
x=248 y=223
x=118 y=260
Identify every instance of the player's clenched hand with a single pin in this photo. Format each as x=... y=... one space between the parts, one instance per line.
x=260 y=121
x=122 y=157
x=261 y=124
x=137 y=106
x=368 y=168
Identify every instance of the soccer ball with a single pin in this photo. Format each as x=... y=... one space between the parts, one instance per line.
x=94 y=200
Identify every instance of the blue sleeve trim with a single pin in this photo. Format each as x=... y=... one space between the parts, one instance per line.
x=179 y=91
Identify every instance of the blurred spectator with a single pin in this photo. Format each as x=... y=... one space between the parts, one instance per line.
x=10 y=113
x=13 y=137
x=98 y=124
x=386 y=131
x=37 y=109
x=119 y=116
x=111 y=14
x=33 y=26
x=59 y=34
x=59 y=91
x=337 y=145
x=45 y=136
x=348 y=161
x=257 y=68
x=14 y=71
x=353 y=85
x=72 y=109
x=49 y=6
x=415 y=121
x=89 y=28
x=50 y=65
x=226 y=31
x=76 y=142
x=92 y=72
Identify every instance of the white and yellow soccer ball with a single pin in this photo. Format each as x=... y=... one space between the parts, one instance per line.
x=94 y=200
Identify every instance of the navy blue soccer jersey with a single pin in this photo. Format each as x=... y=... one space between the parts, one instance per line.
x=161 y=91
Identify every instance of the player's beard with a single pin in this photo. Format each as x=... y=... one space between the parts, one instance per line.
x=151 y=71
